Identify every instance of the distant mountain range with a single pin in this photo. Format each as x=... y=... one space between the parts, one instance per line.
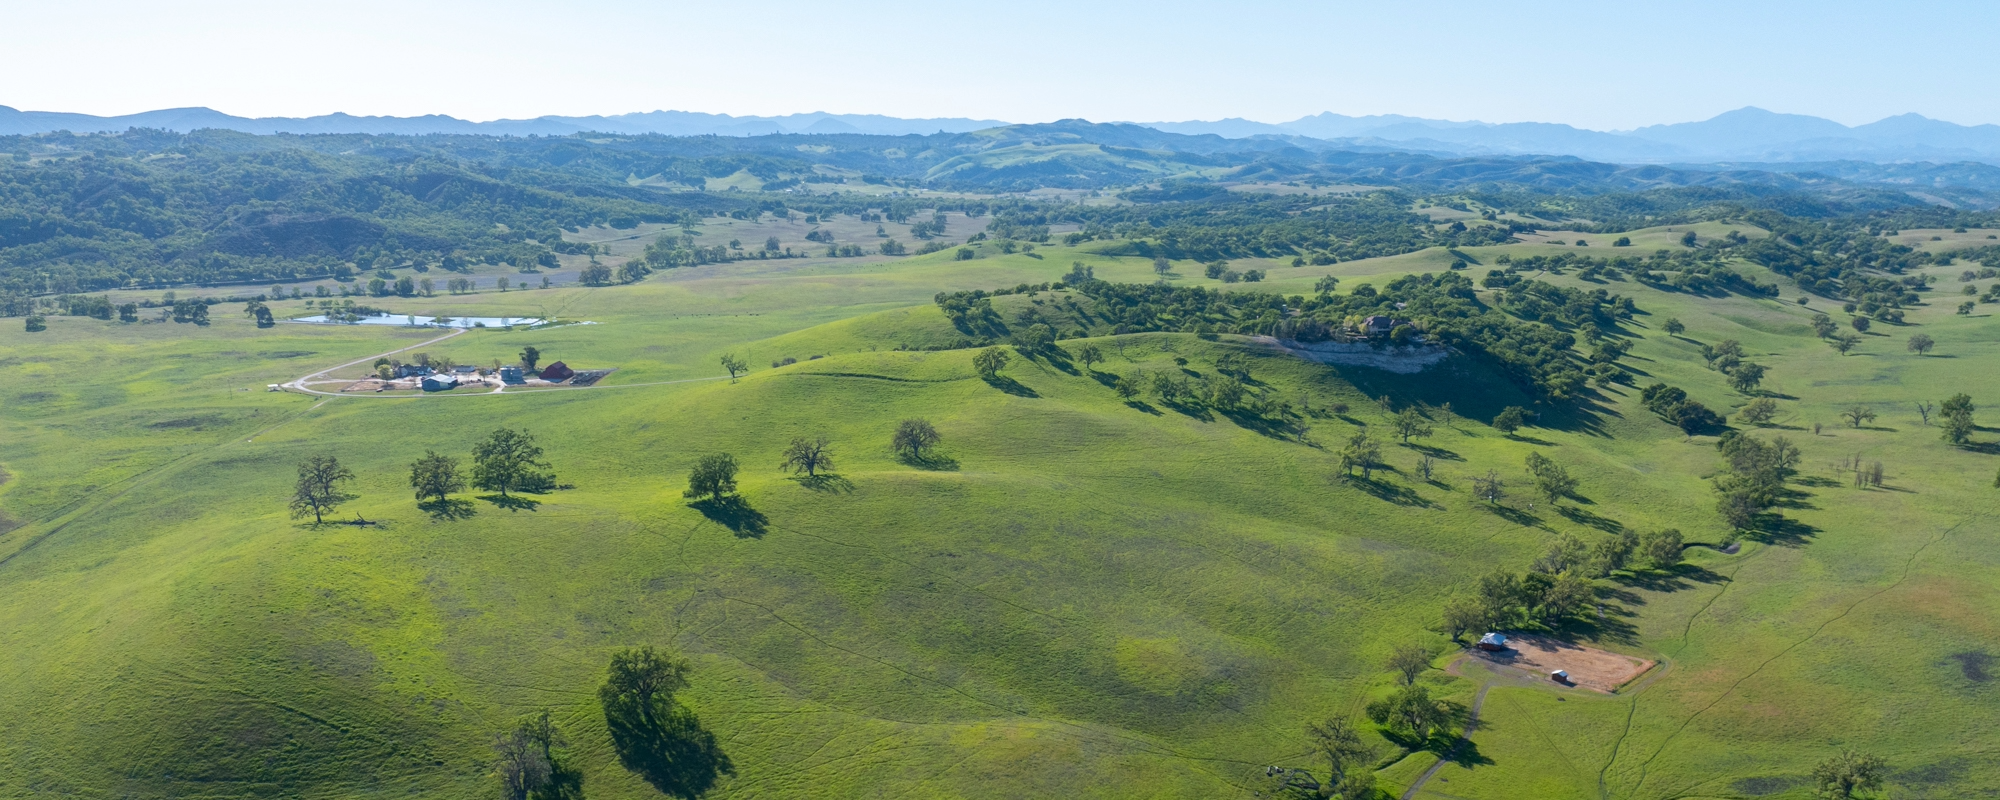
x=1743 y=136
x=670 y=123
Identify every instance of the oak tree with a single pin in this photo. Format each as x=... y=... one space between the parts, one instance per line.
x=318 y=489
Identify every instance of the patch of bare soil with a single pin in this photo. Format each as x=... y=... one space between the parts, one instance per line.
x=1588 y=667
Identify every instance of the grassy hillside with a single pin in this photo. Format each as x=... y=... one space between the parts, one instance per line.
x=1089 y=598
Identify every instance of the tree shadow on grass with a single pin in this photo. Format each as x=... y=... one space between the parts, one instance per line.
x=1780 y=530
x=1679 y=577
x=1582 y=516
x=513 y=502
x=565 y=782
x=1010 y=386
x=734 y=513
x=448 y=509
x=826 y=482
x=1280 y=428
x=1514 y=515
x=1194 y=410
x=669 y=748
x=1141 y=405
x=934 y=462
x=1438 y=453
x=1793 y=498
x=1389 y=492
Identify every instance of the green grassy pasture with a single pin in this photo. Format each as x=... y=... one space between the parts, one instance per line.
x=1090 y=598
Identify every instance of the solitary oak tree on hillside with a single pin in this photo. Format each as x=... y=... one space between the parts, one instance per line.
x=713 y=475
x=1089 y=355
x=1361 y=451
x=1130 y=386
x=913 y=437
x=989 y=362
x=1408 y=660
x=1510 y=420
x=1412 y=710
x=1856 y=415
x=1463 y=615
x=1673 y=326
x=318 y=490
x=1921 y=344
x=1758 y=412
x=1957 y=419
x=1489 y=487
x=808 y=455
x=1347 y=759
x=1410 y=423
x=508 y=460
x=435 y=477
x=1746 y=377
x=528 y=762
x=736 y=366
x=1551 y=479
x=656 y=737
x=1661 y=549
x=643 y=679
x=1839 y=777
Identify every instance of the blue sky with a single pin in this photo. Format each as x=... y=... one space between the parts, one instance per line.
x=1602 y=65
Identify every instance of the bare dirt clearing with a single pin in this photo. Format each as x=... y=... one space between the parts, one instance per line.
x=1588 y=667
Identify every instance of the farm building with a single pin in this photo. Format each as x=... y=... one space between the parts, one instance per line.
x=514 y=375
x=440 y=383
x=1493 y=641
x=412 y=370
x=557 y=372
x=465 y=369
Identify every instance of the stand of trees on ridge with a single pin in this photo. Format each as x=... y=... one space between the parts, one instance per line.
x=1536 y=353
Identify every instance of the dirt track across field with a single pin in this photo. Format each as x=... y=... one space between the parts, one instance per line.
x=1588 y=667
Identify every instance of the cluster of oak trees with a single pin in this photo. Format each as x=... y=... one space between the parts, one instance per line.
x=505 y=461
x=654 y=735
x=714 y=476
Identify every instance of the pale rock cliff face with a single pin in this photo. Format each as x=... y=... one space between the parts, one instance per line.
x=1400 y=360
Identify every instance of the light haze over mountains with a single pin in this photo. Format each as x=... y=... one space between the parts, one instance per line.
x=1745 y=135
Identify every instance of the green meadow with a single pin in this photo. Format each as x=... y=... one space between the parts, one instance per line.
x=1083 y=597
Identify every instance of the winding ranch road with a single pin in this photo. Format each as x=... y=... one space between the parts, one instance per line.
x=1471 y=724
x=302 y=383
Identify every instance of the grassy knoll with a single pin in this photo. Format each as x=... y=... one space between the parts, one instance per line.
x=1090 y=598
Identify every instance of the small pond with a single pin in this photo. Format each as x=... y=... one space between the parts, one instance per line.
x=429 y=322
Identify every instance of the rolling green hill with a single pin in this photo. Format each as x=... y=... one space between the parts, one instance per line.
x=1086 y=597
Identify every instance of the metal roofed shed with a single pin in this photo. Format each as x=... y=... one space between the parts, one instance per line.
x=1493 y=641
x=1560 y=676
x=440 y=383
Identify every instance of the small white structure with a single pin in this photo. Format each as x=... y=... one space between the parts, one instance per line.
x=1559 y=676
x=1493 y=641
